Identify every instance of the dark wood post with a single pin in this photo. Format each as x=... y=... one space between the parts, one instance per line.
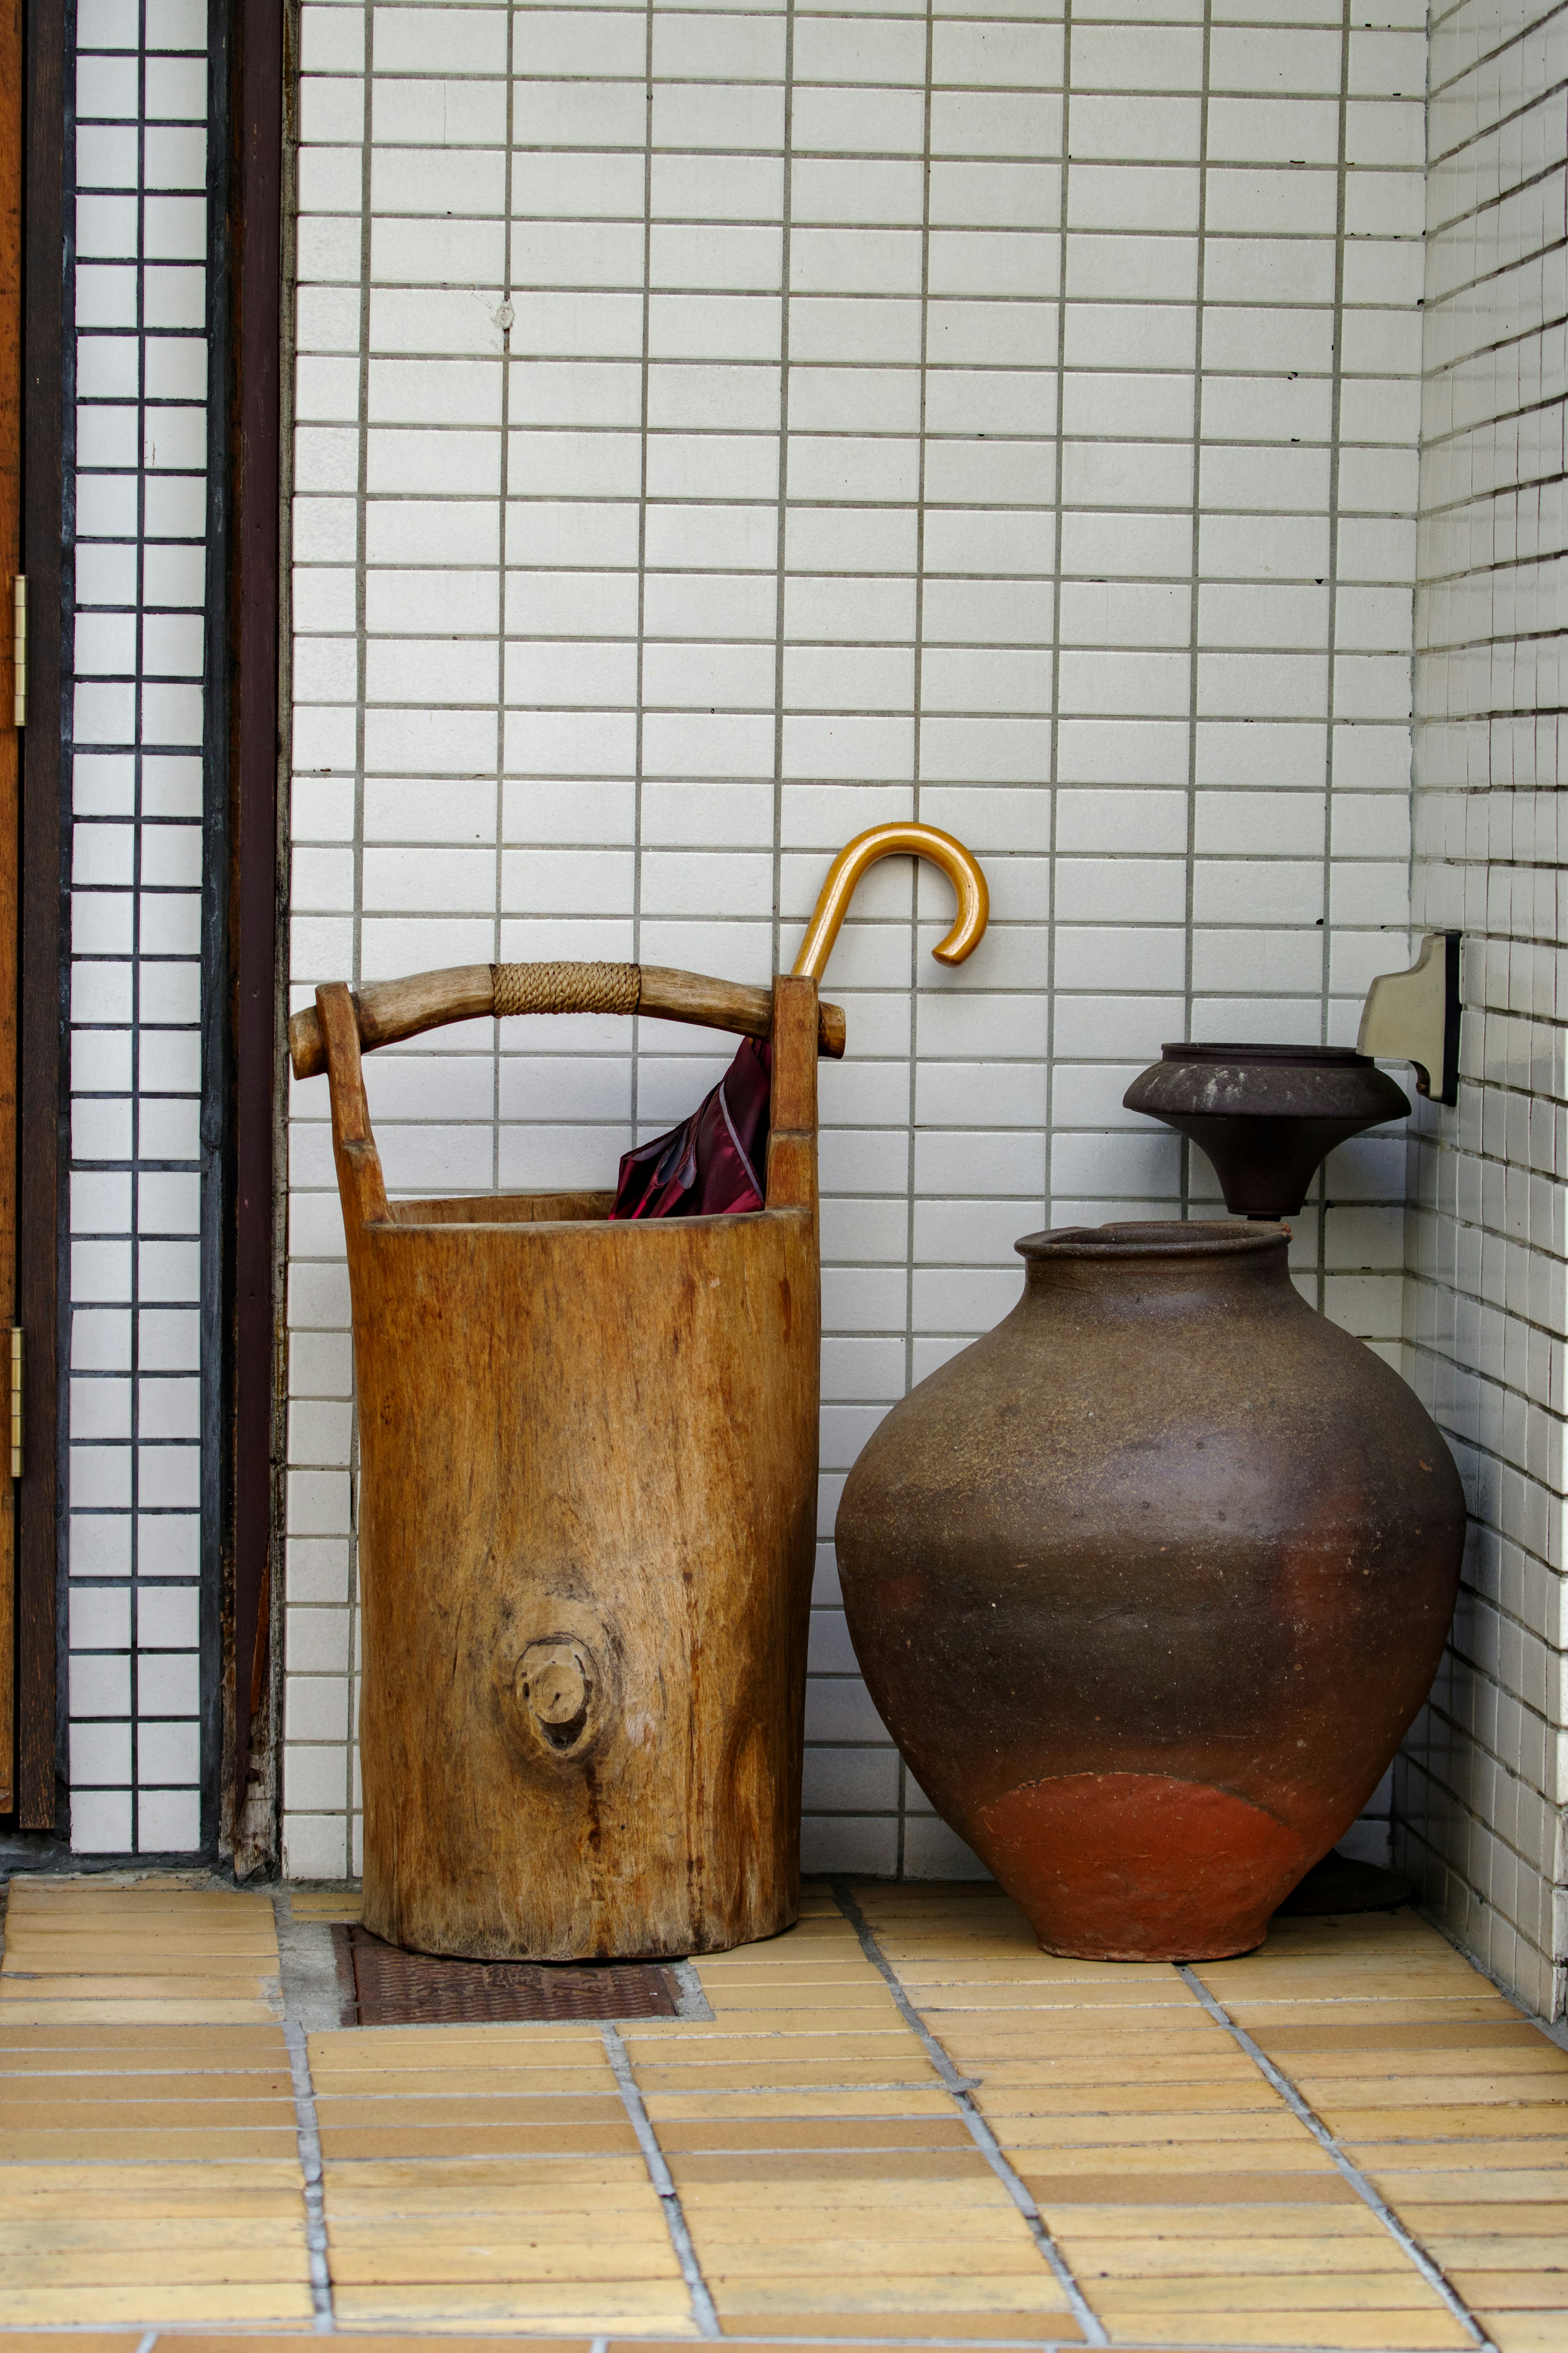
x=42 y=907
x=255 y=254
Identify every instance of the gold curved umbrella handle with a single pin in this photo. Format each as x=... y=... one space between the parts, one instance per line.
x=960 y=865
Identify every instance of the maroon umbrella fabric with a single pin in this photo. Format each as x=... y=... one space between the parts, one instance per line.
x=715 y=1164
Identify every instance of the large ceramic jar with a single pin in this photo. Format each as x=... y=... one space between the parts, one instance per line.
x=1149 y=1583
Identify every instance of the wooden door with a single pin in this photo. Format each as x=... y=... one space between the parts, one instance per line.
x=11 y=717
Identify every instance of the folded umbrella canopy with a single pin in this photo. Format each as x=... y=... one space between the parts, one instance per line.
x=715 y=1164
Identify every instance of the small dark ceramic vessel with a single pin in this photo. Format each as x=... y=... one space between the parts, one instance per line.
x=1266 y=1116
x=1149 y=1583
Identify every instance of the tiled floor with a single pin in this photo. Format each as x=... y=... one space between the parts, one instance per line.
x=903 y=2123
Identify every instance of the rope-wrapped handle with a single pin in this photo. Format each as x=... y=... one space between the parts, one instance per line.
x=389 y=1010
x=566 y=987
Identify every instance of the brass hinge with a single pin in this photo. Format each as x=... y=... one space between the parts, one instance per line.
x=15 y=1400
x=19 y=647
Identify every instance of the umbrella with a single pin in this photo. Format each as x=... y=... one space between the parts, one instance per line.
x=711 y=1165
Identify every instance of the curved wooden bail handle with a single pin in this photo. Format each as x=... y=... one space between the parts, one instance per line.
x=960 y=865
x=389 y=1010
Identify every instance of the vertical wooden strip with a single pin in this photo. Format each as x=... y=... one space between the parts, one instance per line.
x=10 y=749
x=215 y=1261
x=256 y=248
x=42 y=1002
x=791 y=1113
x=360 y=1183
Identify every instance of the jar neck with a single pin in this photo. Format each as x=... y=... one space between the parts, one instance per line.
x=1137 y=1268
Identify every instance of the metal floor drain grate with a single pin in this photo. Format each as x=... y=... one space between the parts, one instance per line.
x=384 y=1986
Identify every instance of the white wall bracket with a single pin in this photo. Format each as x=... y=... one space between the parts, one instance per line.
x=1414 y=1016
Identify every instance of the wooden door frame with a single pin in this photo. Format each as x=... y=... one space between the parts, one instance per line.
x=12 y=101
x=246 y=704
x=242 y=907
x=49 y=240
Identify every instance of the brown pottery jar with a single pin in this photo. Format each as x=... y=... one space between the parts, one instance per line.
x=1149 y=1583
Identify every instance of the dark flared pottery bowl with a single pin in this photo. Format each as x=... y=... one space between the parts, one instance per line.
x=1149 y=1583
x=1266 y=1116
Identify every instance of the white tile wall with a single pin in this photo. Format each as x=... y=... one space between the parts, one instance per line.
x=721 y=429
x=1480 y=1795
x=140 y=358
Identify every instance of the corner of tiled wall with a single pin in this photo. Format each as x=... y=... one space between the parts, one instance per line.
x=719 y=430
x=1482 y=1785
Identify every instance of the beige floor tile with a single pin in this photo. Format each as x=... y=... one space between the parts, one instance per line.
x=899 y=2147
x=1276 y=2224
x=151 y=2268
x=927 y=2104
x=1396 y=2289
x=1260 y=2128
x=1512 y=2288
x=1237 y=2096
x=154 y=2303
x=1243 y=2256
x=1523 y=2332
x=65 y=2233
x=1355 y=2331
x=538 y=2262
x=1411 y=2185
x=1489 y=2120
x=27 y=2340
x=858 y=2329
x=817 y=2291
x=593 y=2307
x=1419 y=2151
x=828 y=2164
x=128 y=2012
x=1158 y=2182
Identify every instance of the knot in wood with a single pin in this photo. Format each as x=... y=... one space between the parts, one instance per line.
x=556 y=1682
x=566 y=987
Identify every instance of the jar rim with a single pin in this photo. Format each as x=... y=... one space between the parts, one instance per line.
x=1158 y=1237
x=1332 y=1058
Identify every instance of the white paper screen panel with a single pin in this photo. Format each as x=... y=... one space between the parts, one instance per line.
x=140 y=514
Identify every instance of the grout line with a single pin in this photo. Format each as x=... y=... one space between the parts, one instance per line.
x=356 y=910
x=1344 y=2166
x=309 y=2139
x=1057 y=371
x=780 y=544
x=663 y=2182
x=917 y=734
x=639 y=695
x=1320 y=1185
x=959 y=2089
x=506 y=316
x=1194 y=589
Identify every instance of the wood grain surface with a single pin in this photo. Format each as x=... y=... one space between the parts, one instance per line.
x=587 y=1508
x=10 y=780
x=251 y=297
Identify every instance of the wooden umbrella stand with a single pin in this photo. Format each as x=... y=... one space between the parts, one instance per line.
x=587 y=1500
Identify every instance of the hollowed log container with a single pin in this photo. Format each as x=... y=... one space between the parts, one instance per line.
x=587 y=1522
x=1149 y=1583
